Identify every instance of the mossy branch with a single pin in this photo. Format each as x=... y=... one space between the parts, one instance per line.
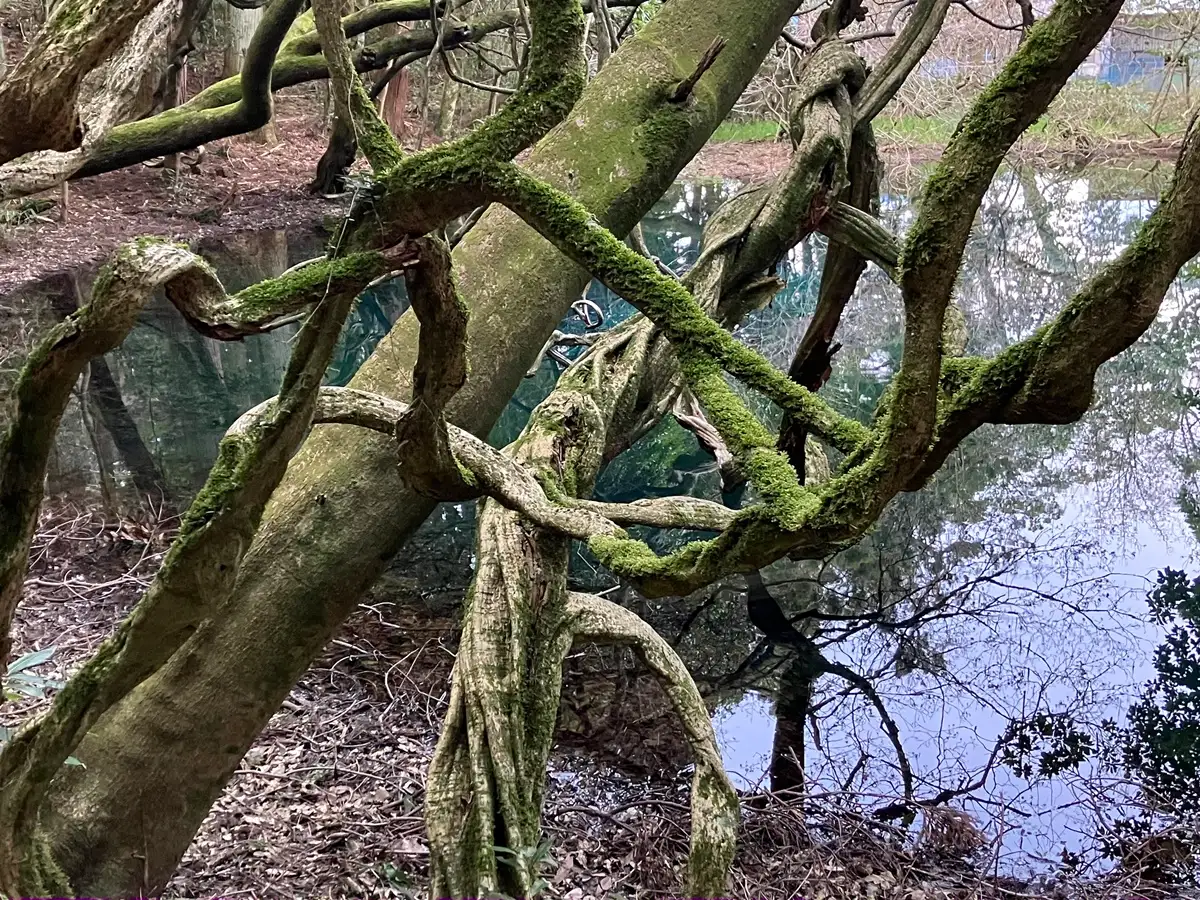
x=218 y=112
x=430 y=188
x=696 y=337
x=122 y=288
x=1051 y=52
x=186 y=127
x=715 y=812
x=1049 y=377
x=350 y=99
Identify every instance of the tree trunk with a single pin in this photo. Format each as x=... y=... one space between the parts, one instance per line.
x=394 y=103
x=242 y=24
x=791 y=713
x=38 y=98
x=337 y=159
x=488 y=775
x=162 y=756
x=449 y=108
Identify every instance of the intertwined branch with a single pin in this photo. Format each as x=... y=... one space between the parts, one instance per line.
x=487 y=779
x=201 y=567
x=287 y=50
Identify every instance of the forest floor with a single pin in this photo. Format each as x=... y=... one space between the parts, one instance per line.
x=328 y=803
x=243 y=185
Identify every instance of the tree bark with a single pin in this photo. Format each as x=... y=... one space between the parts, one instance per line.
x=335 y=162
x=160 y=758
x=394 y=103
x=38 y=97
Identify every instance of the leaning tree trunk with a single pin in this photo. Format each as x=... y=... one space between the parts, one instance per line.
x=160 y=758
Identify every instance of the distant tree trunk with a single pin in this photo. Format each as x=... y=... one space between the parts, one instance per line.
x=449 y=108
x=337 y=159
x=395 y=103
x=335 y=162
x=791 y=713
x=241 y=24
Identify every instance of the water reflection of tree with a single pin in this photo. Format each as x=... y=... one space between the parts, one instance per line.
x=985 y=546
x=988 y=542
x=163 y=400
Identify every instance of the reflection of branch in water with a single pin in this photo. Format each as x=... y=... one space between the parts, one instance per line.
x=103 y=392
x=808 y=665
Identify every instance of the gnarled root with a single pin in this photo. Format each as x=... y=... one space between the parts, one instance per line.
x=488 y=774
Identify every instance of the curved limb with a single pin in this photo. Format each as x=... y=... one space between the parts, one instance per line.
x=350 y=100
x=125 y=285
x=714 y=801
x=115 y=99
x=201 y=567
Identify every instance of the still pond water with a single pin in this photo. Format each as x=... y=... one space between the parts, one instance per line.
x=1043 y=540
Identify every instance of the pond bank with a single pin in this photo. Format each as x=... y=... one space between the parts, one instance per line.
x=329 y=801
x=244 y=186
x=240 y=186
x=756 y=161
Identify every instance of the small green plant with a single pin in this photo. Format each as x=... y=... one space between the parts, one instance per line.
x=396 y=878
x=21 y=682
x=533 y=861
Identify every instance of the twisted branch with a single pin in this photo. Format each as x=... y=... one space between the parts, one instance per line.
x=201 y=567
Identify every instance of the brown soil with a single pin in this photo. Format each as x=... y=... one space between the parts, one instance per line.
x=328 y=803
x=241 y=185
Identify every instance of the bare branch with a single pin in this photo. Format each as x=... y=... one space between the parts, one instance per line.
x=863 y=233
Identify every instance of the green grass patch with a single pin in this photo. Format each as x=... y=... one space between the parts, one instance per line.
x=746 y=131
x=915 y=129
